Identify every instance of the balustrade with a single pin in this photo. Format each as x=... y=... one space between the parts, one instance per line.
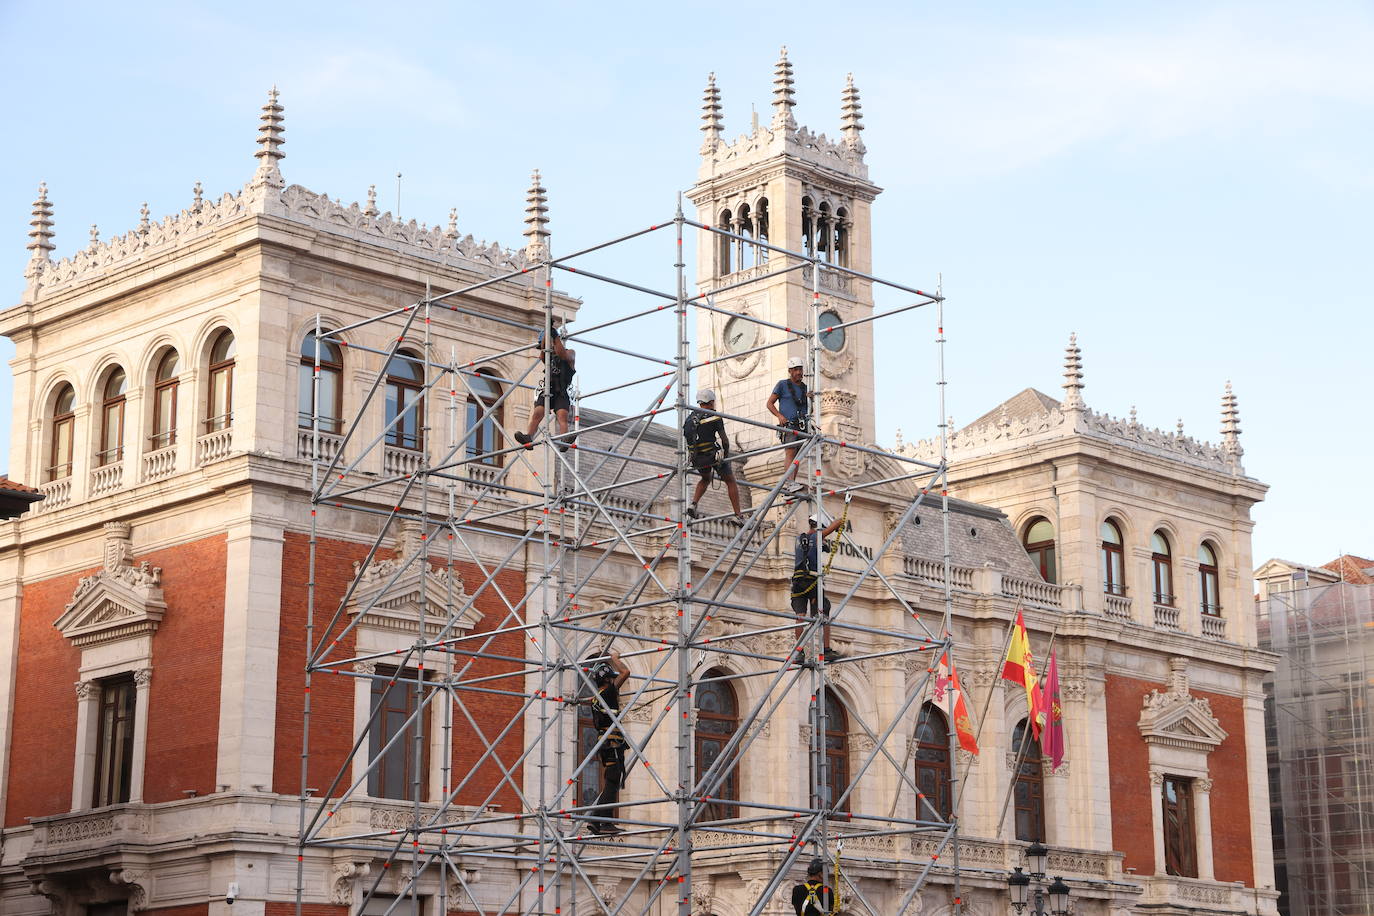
x=107 y=478
x=214 y=446
x=56 y=494
x=1117 y=607
x=330 y=445
x=160 y=463
x=1213 y=627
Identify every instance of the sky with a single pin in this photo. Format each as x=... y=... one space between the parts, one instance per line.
x=1187 y=186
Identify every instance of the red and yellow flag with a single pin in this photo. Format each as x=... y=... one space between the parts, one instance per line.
x=1019 y=668
x=947 y=679
x=1052 y=738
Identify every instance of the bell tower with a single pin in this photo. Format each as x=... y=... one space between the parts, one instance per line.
x=793 y=189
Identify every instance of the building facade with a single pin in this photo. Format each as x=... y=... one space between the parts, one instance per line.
x=171 y=392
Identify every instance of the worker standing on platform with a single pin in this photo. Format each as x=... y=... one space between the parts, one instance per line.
x=553 y=393
x=708 y=448
x=812 y=897
x=791 y=404
x=807 y=600
x=608 y=677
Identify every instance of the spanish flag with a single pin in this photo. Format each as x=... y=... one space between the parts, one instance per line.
x=1019 y=668
x=946 y=678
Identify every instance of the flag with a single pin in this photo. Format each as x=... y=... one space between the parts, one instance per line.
x=1019 y=668
x=1052 y=738
x=947 y=679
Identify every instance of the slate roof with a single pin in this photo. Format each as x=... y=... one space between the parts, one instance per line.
x=1020 y=407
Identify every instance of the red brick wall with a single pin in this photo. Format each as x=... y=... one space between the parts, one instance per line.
x=43 y=748
x=183 y=713
x=183 y=702
x=190 y=909
x=288 y=908
x=1232 y=856
x=331 y=729
x=1133 y=798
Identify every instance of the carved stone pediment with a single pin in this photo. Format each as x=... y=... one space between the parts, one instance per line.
x=121 y=601
x=1176 y=718
x=390 y=593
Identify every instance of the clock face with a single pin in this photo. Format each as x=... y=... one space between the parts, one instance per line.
x=832 y=340
x=740 y=335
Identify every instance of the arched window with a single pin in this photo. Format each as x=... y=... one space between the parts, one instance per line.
x=1028 y=796
x=717 y=721
x=725 y=244
x=331 y=385
x=932 y=762
x=483 y=418
x=63 y=427
x=219 y=404
x=744 y=226
x=405 y=402
x=165 y=384
x=824 y=234
x=112 y=418
x=1039 y=542
x=841 y=237
x=808 y=227
x=836 y=744
x=1113 y=560
x=1162 y=561
x=761 y=228
x=589 y=779
x=1209 y=595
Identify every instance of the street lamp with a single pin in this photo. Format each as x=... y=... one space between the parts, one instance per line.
x=1019 y=886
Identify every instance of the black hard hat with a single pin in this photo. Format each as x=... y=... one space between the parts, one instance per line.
x=816 y=867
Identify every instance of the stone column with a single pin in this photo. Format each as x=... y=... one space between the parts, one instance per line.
x=10 y=602
x=85 y=440
x=143 y=678
x=1257 y=781
x=1202 y=803
x=362 y=709
x=1157 y=817
x=87 y=727
x=248 y=679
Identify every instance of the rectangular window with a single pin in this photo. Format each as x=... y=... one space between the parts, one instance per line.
x=1180 y=836
x=114 y=742
x=393 y=772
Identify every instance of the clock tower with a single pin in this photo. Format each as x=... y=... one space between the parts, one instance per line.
x=796 y=190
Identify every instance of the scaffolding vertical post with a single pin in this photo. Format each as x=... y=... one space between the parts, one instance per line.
x=947 y=625
x=686 y=756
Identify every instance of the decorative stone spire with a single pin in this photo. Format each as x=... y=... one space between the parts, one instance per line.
x=40 y=236
x=143 y=222
x=1135 y=421
x=1073 y=375
x=95 y=237
x=536 y=220
x=270 y=140
x=784 y=99
x=851 y=117
x=197 y=201
x=451 y=233
x=1230 y=428
x=710 y=116
x=371 y=208
x=1180 y=427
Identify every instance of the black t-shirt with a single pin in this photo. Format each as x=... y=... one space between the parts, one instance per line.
x=610 y=695
x=560 y=374
x=800 y=893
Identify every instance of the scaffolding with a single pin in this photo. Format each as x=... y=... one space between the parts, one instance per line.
x=1320 y=724
x=606 y=502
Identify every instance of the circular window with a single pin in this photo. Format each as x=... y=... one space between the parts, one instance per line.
x=832 y=338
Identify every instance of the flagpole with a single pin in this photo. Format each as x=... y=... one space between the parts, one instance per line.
x=1025 y=740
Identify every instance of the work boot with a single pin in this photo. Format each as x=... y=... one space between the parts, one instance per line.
x=524 y=440
x=833 y=655
x=692 y=511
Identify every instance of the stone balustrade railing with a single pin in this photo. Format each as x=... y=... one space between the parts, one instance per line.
x=1118 y=607
x=214 y=446
x=305 y=445
x=160 y=463
x=107 y=478
x=1167 y=617
x=1213 y=627
x=56 y=494
x=1034 y=591
x=400 y=461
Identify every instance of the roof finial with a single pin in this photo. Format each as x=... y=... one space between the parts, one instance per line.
x=451 y=233
x=197 y=203
x=536 y=220
x=143 y=223
x=95 y=236
x=270 y=140
x=1180 y=427
x=40 y=236
x=371 y=208
x=1073 y=375
x=711 y=123
x=851 y=116
x=1134 y=420
x=784 y=99
x=1230 y=428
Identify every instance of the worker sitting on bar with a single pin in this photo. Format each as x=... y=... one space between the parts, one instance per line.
x=806 y=586
x=791 y=404
x=553 y=393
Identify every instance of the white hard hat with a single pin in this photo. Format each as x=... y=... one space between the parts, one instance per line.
x=795 y=362
x=706 y=395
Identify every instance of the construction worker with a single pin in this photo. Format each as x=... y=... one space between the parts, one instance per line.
x=608 y=677
x=709 y=450
x=553 y=393
x=791 y=404
x=806 y=597
x=812 y=897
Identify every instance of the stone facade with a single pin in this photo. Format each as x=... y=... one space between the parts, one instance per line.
x=182 y=568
